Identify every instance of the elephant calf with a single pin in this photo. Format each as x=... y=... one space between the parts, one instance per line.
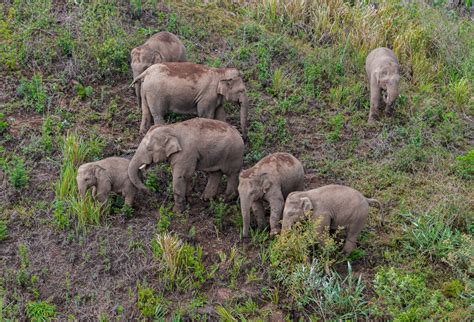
x=271 y=179
x=336 y=205
x=383 y=73
x=196 y=144
x=105 y=176
x=159 y=48
x=188 y=88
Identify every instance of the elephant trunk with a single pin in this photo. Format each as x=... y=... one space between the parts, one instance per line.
x=81 y=187
x=137 y=92
x=245 y=208
x=138 y=162
x=244 y=108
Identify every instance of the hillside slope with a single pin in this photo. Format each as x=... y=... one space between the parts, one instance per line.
x=65 y=99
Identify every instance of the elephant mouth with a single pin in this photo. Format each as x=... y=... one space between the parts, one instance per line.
x=385 y=96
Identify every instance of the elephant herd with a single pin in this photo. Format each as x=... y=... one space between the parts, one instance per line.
x=164 y=82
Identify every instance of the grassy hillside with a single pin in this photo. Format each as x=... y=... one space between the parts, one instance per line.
x=65 y=99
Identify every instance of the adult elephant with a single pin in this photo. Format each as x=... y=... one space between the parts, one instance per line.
x=159 y=48
x=212 y=146
x=188 y=88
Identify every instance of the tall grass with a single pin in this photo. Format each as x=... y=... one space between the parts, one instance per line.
x=75 y=152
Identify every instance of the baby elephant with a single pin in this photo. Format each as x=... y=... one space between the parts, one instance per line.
x=105 y=176
x=336 y=205
x=271 y=179
x=383 y=72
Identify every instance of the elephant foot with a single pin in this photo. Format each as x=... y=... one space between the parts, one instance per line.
x=230 y=196
x=207 y=196
x=274 y=232
x=179 y=208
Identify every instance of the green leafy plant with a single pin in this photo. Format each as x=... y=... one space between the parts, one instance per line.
x=151 y=305
x=84 y=91
x=16 y=172
x=3 y=123
x=164 y=222
x=337 y=124
x=33 y=93
x=464 y=166
x=40 y=311
x=3 y=230
x=181 y=263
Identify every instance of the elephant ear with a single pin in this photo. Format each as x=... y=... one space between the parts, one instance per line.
x=266 y=183
x=157 y=57
x=171 y=145
x=99 y=173
x=306 y=204
x=224 y=87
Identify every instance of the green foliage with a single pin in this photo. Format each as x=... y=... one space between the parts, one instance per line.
x=40 y=311
x=136 y=8
x=16 y=171
x=84 y=91
x=3 y=230
x=164 y=222
x=464 y=166
x=3 y=123
x=452 y=288
x=336 y=123
x=75 y=151
x=8 y=52
x=22 y=276
x=47 y=134
x=33 y=93
x=405 y=296
x=151 y=305
x=181 y=265
x=256 y=136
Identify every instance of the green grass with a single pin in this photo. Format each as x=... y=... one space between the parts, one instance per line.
x=40 y=311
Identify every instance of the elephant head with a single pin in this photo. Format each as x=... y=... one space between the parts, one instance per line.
x=296 y=206
x=251 y=188
x=142 y=58
x=388 y=79
x=157 y=146
x=89 y=175
x=232 y=89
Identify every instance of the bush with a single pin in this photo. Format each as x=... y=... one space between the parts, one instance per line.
x=40 y=311
x=464 y=166
x=151 y=305
x=16 y=171
x=405 y=296
x=33 y=93
x=3 y=124
x=181 y=264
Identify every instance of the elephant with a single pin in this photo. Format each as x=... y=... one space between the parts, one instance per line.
x=383 y=72
x=212 y=146
x=335 y=205
x=188 y=88
x=271 y=179
x=105 y=176
x=161 y=47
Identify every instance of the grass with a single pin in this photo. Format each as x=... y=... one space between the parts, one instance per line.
x=304 y=71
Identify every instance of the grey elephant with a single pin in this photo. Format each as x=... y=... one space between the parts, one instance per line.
x=106 y=176
x=161 y=47
x=212 y=146
x=383 y=72
x=188 y=88
x=335 y=205
x=271 y=179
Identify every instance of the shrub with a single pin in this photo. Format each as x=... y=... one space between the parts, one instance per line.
x=16 y=171
x=405 y=296
x=464 y=166
x=3 y=124
x=151 y=305
x=181 y=264
x=3 y=230
x=40 y=311
x=33 y=93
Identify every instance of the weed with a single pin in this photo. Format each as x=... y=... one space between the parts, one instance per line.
x=464 y=166
x=136 y=8
x=337 y=124
x=256 y=138
x=181 y=263
x=3 y=123
x=16 y=172
x=452 y=288
x=47 y=132
x=22 y=277
x=460 y=92
x=33 y=93
x=224 y=314
x=3 y=230
x=151 y=305
x=220 y=209
x=84 y=92
x=164 y=222
x=405 y=296
x=40 y=311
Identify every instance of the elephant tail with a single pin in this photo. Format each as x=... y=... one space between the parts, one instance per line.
x=380 y=206
x=139 y=77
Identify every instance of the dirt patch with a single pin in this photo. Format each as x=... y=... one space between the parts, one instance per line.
x=187 y=71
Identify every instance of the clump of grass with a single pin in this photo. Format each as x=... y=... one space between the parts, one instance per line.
x=181 y=264
x=3 y=230
x=16 y=171
x=75 y=151
x=3 y=123
x=464 y=166
x=40 y=311
x=150 y=304
x=33 y=93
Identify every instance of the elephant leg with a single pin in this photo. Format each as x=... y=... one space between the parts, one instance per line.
x=259 y=212
x=129 y=199
x=389 y=109
x=189 y=188
x=220 y=114
x=277 y=202
x=212 y=185
x=206 y=110
x=146 y=116
x=352 y=233
x=232 y=184
x=374 y=102
x=103 y=190
x=159 y=110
